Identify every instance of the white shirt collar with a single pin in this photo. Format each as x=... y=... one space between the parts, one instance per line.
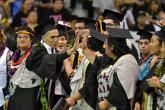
x=48 y=48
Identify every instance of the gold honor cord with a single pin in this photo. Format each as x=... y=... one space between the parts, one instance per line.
x=101 y=28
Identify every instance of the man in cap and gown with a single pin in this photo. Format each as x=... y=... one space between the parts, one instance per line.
x=42 y=60
x=144 y=41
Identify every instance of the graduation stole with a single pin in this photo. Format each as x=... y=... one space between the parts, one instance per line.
x=160 y=70
x=16 y=62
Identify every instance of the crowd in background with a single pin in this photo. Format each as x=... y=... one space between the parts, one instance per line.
x=14 y=13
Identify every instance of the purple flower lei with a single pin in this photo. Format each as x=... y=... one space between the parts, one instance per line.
x=16 y=55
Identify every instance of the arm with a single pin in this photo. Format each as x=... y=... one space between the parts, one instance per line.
x=90 y=55
x=68 y=67
x=156 y=83
x=71 y=101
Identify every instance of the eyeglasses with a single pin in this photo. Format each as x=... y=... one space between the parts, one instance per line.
x=23 y=37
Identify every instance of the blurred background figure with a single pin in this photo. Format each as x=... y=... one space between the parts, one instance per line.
x=20 y=18
x=32 y=18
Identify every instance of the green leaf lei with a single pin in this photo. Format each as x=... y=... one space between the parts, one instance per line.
x=43 y=99
x=160 y=71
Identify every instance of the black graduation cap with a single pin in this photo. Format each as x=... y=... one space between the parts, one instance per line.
x=63 y=29
x=97 y=35
x=45 y=26
x=109 y=14
x=81 y=19
x=161 y=33
x=92 y=24
x=119 y=33
x=118 y=37
x=42 y=28
x=144 y=34
x=96 y=41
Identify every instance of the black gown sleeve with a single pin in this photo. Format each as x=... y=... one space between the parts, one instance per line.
x=142 y=86
x=117 y=96
x=44 y=64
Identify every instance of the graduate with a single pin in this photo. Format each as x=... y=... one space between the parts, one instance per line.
x=114 y=19
x=42 y=61
x=145 y=97
x=83 y=70
x=60 y=88
x=144 y=41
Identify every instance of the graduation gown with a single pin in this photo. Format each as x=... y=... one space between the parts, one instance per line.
x=44 y=64
x=117 y=84
x=144 y=92
x=47 y=66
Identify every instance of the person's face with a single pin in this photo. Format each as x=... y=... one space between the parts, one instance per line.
x=79 y=26
x=110 y=23
x=144 y=46
x=163 y=50
x=32 y=17
x=23 y=41
x=162 y=19
x=62 y=43
x=28 y=4
x=141 y=19
x=58 y=5
x=154 y=6
x=155 y=45
x=51 y=38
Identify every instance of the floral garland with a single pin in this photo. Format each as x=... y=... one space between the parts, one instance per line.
x=43 y=99
x=160 y=71
x=2 y=49
x=16 y=60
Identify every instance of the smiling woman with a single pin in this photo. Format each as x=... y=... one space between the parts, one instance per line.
x=24 y=36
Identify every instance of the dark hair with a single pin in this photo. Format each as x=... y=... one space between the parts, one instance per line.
x=160 y=41
x=26 y=28
x=58 y=0
x=32 y=10
x=155 y=2
x=119 y=46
